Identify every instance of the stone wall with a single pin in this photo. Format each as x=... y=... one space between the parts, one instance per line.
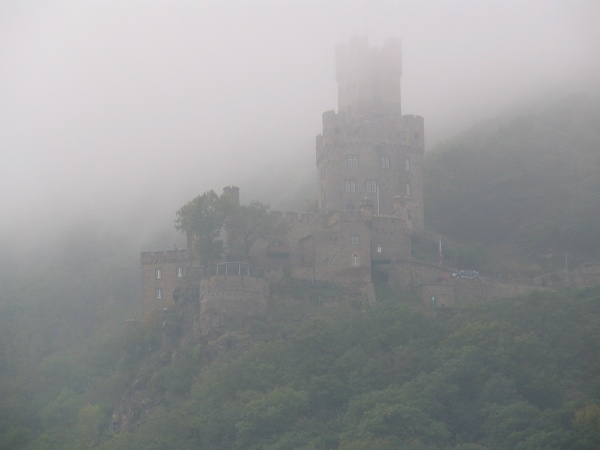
x=409 y=273
x=390 y=239
x=163 y=272
x=225 y=297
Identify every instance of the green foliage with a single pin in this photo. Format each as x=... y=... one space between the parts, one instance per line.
x=530 y=177
x=61 y=413
x=203 y=218
x=317 y=371
x=387 y=377
x=269 y=414
x=247 y=224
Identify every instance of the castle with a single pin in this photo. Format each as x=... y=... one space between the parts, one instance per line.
x=369 y=159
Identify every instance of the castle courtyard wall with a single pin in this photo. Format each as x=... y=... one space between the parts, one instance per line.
x=224 y=297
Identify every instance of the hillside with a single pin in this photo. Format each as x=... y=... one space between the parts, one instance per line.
x=320 y=369
x=527 y=181
x=320 y=372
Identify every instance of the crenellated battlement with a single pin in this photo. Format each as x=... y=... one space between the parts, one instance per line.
x=165 y=256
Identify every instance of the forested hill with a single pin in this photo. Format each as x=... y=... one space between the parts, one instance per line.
x=530 y=178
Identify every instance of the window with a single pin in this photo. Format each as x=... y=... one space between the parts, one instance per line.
x=350 y=186
x=371 y=187
x=352 y=161
x=379 y=249
x=407 y=190
x=158 y=273
x=385 y=162
x=180 y=272
x=407 y=164
x=355 y=239
x=355 y=260
x=159 y=293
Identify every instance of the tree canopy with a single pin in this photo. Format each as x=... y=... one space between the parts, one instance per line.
x=202 y=219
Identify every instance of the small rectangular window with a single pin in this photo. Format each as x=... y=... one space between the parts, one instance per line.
x=180 y=272
x=352 y=161
x=385 y=162
x=379 y=249
x=350 y=186
x=407 y=190
x=371 y=186
x=355 y=239
x=159 y=293
x=158 y=274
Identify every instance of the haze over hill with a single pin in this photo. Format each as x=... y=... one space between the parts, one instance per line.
x=130 y=109
x=529 y=178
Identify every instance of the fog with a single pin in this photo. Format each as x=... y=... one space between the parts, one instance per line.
x=125 y=110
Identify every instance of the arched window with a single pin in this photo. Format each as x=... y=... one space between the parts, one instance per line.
x=350 y=186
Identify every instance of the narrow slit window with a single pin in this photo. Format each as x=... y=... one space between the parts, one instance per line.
x=385 y=162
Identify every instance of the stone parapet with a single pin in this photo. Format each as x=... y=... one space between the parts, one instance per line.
x=165 y=256
x=234 y=296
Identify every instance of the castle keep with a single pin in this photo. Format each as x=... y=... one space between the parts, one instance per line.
x=369 y=159
x=367 y=148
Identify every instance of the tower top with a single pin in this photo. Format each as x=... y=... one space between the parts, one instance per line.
x=369 y=78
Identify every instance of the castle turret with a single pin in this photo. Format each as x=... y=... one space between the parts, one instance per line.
x=232 y=193
x=369 y=78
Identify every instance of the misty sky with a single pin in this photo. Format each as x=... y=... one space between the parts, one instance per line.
x=105 y=104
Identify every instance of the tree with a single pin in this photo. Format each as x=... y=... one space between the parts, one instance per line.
x=202 y=219
x=248 y=224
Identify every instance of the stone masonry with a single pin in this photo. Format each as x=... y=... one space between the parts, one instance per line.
x=368 y=149
x=369 y=159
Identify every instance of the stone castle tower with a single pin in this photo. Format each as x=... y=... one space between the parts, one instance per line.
x=369 y=161
x=368 y=149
